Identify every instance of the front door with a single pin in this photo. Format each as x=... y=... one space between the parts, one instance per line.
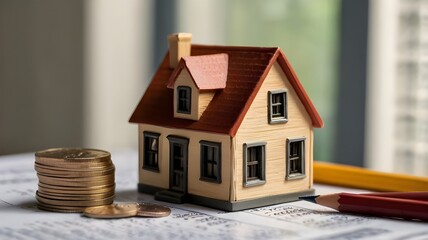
x=178 y=154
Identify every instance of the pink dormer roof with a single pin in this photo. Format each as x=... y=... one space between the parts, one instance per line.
x=207 y=71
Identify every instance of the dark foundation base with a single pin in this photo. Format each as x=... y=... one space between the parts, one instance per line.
x=168 y=196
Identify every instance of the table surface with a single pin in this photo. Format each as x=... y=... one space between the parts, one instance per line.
x=20 y=218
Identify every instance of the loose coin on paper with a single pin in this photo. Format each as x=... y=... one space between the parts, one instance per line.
x=152 y=210
x=115 y=210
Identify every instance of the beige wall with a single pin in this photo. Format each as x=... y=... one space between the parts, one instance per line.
x=255 y=128
x=195 y=186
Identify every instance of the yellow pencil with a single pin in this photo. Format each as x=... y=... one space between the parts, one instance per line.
x=356 y=177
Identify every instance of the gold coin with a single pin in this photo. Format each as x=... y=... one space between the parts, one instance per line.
x=76 y=184
x=74 y=154
x=83 y=197
x=112 y=211
x=73 y=203
x=67 y=173
x=152 y=210
x=75 y=191
x=72 y=195
x=74 y=188
x=75 y=167
x=61 y=210
x=77 y=179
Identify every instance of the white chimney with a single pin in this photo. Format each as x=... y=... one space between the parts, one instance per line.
x=179 y=46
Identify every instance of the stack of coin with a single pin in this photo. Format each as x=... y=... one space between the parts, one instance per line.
x=72 y=179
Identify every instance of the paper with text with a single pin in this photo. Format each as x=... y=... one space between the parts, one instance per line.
x=20 y=218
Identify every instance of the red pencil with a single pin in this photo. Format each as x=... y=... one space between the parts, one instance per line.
x=423 y=196
x=380 y=206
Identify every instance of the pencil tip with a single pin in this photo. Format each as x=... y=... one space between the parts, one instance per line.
x=309 y=198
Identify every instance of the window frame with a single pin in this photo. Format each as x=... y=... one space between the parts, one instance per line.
x=302 y=174
x=216 y=161
x=146 y=165
x=282 y=118
x=187 y=100
x=261 y=179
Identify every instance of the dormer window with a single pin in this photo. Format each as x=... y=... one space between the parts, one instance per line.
x=184 y=99
x=195 y=80
x=278 y=107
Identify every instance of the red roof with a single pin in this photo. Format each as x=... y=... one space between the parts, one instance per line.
x=247 y=69
x=207 y=71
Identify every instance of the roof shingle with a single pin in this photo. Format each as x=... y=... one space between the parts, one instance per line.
x=207 y=71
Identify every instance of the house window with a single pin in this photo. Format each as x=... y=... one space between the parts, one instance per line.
x=254 y=163
x=151 y=151
x=184 y=99
x=278 y=106
x=210 y=161
x=295 y=158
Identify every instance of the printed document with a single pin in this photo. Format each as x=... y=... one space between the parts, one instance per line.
x=20 y=218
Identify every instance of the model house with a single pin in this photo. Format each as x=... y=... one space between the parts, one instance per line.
x=226 y=127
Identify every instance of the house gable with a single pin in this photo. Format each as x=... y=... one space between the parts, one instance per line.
x=282 y=62
x=256 y=128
